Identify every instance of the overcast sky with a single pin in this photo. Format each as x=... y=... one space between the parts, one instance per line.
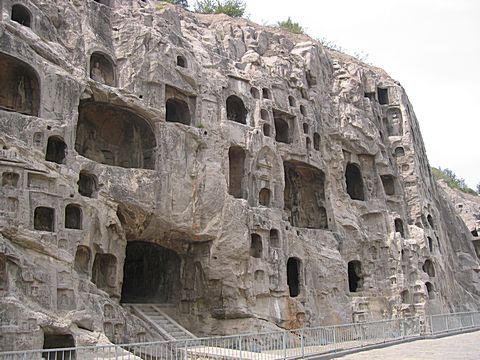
x=431 y=46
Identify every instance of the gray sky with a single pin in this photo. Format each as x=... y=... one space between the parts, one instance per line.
x=431 y=46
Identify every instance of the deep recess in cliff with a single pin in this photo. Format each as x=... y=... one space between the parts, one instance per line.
x=242 y=177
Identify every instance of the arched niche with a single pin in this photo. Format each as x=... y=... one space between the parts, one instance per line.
x=388 y=182
x=304 y=195
x=44 y=219
x=21 y=15
x=399 y=227
x=429 y=268
x=181 y=61
x=316 y=141
x=73 y=216
x=294 y=266
x=256 y=246
x=236 y=173
x=87 y=184
x=354 y=181
x=82 y=260
x=20 y=86
x=102 y=69
x=113 y=135
x=355 y=276
x=236 y=110
x=264 y=197
x=395 y=122
x=255 y=93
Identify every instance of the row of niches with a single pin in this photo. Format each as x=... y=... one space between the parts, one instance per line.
x=44 y=218
x=357 y=276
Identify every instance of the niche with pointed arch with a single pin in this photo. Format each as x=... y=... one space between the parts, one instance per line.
x=113 y=135
x=102 y=69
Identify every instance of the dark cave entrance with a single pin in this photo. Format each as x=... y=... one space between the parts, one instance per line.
x=151 y=274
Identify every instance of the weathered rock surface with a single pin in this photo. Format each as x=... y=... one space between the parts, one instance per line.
x=246 y=176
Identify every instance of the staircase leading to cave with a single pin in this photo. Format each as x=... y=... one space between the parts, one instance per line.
x=155 y=316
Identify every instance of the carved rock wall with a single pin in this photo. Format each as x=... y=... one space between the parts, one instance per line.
x=248 y=177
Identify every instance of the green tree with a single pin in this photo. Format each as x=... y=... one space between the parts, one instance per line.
x=478 y=188
x=291 y=26
x=453 y=181
x=233 y=8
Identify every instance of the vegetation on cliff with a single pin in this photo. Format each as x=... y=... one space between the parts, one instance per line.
x=453 y=181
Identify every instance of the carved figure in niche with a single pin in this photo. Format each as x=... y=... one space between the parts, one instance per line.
x=97 y=74
x=90 y=148
x=21 y=98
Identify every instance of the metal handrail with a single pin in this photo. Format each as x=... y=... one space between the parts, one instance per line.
x=280 y=344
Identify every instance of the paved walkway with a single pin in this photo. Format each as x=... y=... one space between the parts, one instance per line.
x=457 y=347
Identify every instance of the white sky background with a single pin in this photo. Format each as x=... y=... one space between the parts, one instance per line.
x=431 y=46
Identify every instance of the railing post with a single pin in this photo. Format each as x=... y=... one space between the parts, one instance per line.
x=446 y=322
x=240 y=347
x=471 y=317
x=302 y=345
x=186 y=349
x=116 y=352
x=284 y=344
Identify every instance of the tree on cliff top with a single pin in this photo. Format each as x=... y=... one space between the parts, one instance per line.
x=289 y=25
x=452 y=180
x=233 y=8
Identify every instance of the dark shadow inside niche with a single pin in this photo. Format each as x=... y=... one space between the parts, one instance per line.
x=266 y=130
x=266 y=93
x=181 y=61
x=305 y=128
x=20 y=90
x=256 y=246
x=73 y=217
x=87 y=184
x=82 y=260
x=283 y=125
x=102 y=69
x=236 y=164
x=405 y=294
x=21 y=15
x=44 y=219
x=430 y=290
x=304 y=195
x=382 y=96
x=236 y=110
x=113 y=135
x=394 y=122
x=430 y=243
x=255 y=93
x=56 y=150
x=151 y=274
x=57 y=341
x=355 y=276
x=264 y=197
x=104 y=271
x=370 y=95
x=293 y=276
x=308 y=143
x=291 y=101
x=303 y=110
x=354 y=181
x=316 y=141
x=10 y=179
x=264 y=114
x=399 y=227
x=430 y=221
x=429 y=268
x=474 y=233
x=274 y=238
x=388 y=182
x=399 y=151
x=103 y=2
x=177 y=111
x=179 y=106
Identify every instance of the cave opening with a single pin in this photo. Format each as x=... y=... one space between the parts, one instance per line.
x=151 y=274
x=293 y=276
x=354 y=181
x=355 y=276
x=304 y=195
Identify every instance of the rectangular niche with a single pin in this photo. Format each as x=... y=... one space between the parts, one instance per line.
x=179 y=106
x=284 y=123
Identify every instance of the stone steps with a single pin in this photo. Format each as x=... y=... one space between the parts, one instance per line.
x=161 y=322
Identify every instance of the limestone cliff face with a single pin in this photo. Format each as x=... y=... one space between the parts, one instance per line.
x=246 y=176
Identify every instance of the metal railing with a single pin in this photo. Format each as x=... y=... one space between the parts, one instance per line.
x=266 y=346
